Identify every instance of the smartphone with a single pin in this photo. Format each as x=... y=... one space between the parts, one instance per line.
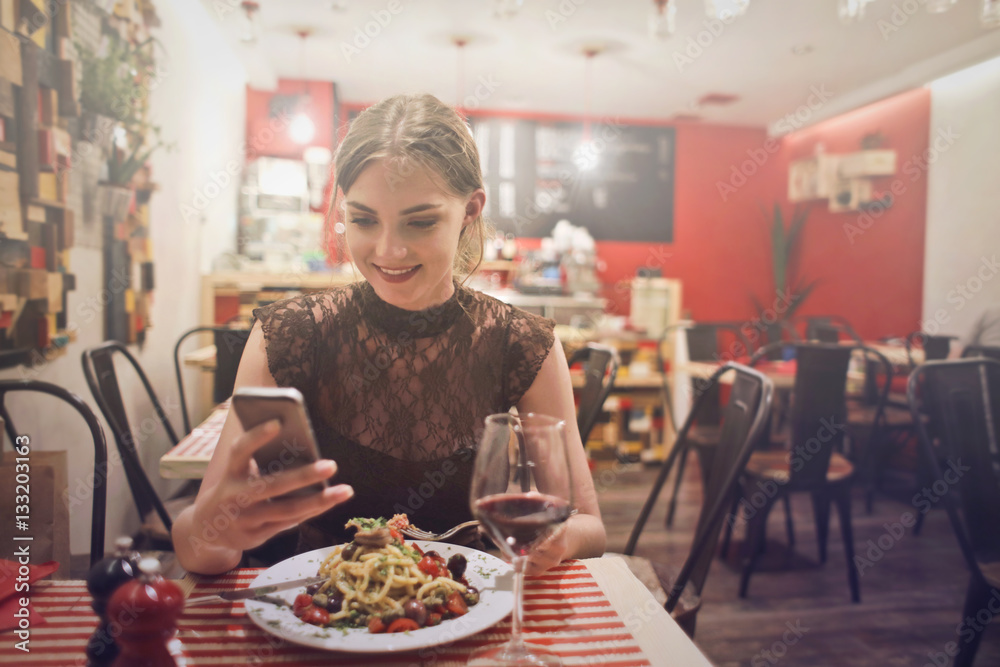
x=295 y=444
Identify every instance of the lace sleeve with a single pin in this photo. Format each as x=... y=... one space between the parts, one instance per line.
x=529 y=340
x=290 y=331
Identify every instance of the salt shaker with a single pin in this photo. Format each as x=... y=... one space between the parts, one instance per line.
x=144 y=613
x=106 y=576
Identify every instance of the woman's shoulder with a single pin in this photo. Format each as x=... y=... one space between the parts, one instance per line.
x=492 y=310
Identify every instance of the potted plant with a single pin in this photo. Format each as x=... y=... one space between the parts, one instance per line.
x=790 y=288
x=114 y=95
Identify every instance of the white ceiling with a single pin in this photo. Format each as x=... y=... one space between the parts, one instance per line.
x=535 y=60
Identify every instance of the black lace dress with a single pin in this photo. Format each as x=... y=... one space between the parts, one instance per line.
x=397 y=398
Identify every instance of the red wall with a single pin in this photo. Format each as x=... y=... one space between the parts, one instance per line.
x=269 y=136
x=872 y=276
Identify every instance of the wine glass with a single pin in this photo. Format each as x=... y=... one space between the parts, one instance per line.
x=522 y=492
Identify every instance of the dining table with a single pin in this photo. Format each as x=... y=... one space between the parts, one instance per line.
x=589 y=612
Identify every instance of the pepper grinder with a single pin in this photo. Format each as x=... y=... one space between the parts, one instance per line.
x=103 y=579
x=145 y=611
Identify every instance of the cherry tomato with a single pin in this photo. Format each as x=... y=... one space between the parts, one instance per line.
x=403 y=625
x=316 y=616
x=302 y=600
x=433 y=619
x=456 y=604
x=396 y=535
x=428 y=565
x=376 y=625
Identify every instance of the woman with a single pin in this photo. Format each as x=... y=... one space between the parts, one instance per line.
x=398 y=371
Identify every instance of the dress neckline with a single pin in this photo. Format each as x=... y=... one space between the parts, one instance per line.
x=425 y=323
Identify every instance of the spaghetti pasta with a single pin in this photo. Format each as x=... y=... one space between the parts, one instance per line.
x=380 y=581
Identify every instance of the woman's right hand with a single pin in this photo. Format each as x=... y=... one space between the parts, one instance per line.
x=241 y=510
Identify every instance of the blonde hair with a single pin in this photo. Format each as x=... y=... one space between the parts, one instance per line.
x=413 y=131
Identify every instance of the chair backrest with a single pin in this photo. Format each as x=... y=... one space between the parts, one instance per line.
x=827 y=328
x=102 y=378
x=985 y=351
x=819 y=407
x=961 y=399
x=935 y=347
x=704 y=340
x=100 y=476
x=742 y=425
x=600 y=367
x=229 y=345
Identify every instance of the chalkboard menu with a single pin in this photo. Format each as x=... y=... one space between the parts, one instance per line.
x=618 y=183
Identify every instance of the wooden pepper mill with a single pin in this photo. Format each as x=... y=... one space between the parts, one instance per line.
x=145 y=611
x=104 y=579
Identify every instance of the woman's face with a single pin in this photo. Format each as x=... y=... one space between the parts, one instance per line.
x=403 y=231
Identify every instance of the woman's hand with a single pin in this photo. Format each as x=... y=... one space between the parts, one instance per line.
x=552 y=551
x=240 y=511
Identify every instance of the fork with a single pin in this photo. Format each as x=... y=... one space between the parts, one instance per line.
x=418 y=534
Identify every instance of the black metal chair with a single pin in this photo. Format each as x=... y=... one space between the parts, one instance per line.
x=935 y=347
x=102 y=378
x=100 y=475
x=811 y=464
x=961 y=401
x=703 y=343
x=229 y=345
x=600 y=367
x=743 y=422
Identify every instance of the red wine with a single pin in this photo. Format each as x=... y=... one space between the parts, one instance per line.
x=521 y=520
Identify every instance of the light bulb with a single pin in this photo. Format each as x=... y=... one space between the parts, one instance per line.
x=990 y=16
x=851 y=10
x=725 y=10
x=301 y=129
x=663 y=20
x=938 y=6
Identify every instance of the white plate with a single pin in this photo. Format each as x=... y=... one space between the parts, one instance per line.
x=493 y=577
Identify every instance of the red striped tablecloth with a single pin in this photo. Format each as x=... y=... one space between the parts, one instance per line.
x=567 y=609
x=190 y=457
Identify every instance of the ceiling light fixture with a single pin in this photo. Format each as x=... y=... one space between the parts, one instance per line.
x=505 y=9
x=725 y=10
x=851 y=11
x=990 y=16
x=250 y=30
x=302 y=129
x=663 y=19
x=459 y=43
x=586 y=156
x=938 y=6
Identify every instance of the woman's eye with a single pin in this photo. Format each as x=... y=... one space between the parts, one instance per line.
x=423 y=224
x=362 y=222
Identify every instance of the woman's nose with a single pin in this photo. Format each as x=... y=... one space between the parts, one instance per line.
x=390 y=246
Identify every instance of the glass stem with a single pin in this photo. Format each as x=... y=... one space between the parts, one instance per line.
x=517 y=618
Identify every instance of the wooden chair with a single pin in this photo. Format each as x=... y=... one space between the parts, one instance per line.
x=961 y=400
x=100 y=472
x=743 y=422
x=102 y=378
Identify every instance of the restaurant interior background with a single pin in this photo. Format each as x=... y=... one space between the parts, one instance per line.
x=754 y=105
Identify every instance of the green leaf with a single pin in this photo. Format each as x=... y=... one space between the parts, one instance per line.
x=798 y=297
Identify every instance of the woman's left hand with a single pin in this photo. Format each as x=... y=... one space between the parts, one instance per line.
x=549 y=553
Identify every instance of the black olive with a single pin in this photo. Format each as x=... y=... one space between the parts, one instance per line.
x=433 y=554
x=349 y=551
x=334 y=602
x=312 y=589
x=471 y=595
x=456 y=565
x=416 y=611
